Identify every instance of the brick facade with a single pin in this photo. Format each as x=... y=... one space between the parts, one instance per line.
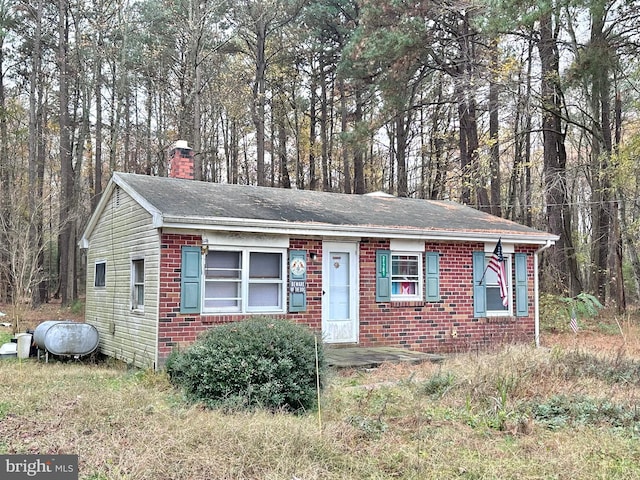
x=444 y=326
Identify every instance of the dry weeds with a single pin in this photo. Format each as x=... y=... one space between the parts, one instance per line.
x=377 y=424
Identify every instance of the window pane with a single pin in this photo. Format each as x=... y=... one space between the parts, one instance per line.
x=404 y=288
x=404 y=265
x=100 y=274
x=264 y=295
x=138 y=268
x=139 y=296
x=490 y=276
x=223 y=264
x=223 y=273
x=222 y=295
x=494 y=301
x=265 y=265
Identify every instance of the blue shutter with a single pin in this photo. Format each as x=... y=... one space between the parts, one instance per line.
x=479 y=295
x=383 y=276
x=432 y=276
x=190 y=280
x=298 y=281
x=522 y=291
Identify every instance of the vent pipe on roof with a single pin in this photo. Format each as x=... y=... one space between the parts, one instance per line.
x=181 y=160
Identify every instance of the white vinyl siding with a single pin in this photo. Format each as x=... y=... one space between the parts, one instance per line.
x=123 y=232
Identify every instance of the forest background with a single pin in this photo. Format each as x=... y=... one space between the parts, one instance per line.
x=525 y=109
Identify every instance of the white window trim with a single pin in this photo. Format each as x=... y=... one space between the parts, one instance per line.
x=133 y=306
x=404 y=245
x=508 y=274
x=244 y=281
x=506 y=248
x=216 y=241
x=419 y=290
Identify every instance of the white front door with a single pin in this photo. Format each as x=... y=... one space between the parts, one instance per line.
x=340 y=299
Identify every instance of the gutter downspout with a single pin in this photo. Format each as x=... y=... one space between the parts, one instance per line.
x=536 y=291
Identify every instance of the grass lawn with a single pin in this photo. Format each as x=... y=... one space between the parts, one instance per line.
x=568 y=410
x=517 y=413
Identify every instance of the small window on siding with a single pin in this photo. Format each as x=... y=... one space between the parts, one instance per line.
x=137 y=284
x=100 y=276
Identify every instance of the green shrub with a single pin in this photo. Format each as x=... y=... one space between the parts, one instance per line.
x=259 y=362
x=616 y=370
x=439 y=384
x=562 y=411
x=5 y=337
x=556 y=311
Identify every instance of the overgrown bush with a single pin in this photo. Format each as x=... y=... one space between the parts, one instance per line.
x=556 y=311
x=259 y=362
x=562 y=410
x=439 y=384
x=619 y=369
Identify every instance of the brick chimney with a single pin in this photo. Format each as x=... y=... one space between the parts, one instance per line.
x=181 y=161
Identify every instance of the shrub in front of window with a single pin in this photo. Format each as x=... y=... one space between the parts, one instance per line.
x=260 y=362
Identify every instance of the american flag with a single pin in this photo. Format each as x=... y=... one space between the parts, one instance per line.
x=574 y=322
x=496 y=263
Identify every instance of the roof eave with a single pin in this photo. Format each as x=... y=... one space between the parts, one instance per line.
x=321 y=229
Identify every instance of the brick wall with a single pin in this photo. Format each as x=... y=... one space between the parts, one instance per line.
x=444 y=326
x=181 y=163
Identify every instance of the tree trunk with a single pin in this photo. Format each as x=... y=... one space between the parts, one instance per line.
x=36 y=171
x=324 y=119
x=561 y=257
x=437 y=186
x=259 y=91
x=494 y=128
x=344 y=125
x=401 y=154
x=359 y=144
x=602 y=198
x=618 y=287
x=285 y=179
x=5 y=177
x=313 y=176
x=97 y=182
x=66 y=247
x=197 y=120
x=234 y=151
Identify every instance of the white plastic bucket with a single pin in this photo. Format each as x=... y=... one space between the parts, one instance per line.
x=24 y=344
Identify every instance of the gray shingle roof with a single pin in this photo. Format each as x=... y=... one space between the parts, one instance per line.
x=191 y=202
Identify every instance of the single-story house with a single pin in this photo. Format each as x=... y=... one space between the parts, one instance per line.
x=168 y=257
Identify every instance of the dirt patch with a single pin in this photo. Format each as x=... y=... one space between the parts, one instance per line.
x=32 y=317
x=603 y=343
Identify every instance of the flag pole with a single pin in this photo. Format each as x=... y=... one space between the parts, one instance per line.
x=485 y=268
x=483 y=275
